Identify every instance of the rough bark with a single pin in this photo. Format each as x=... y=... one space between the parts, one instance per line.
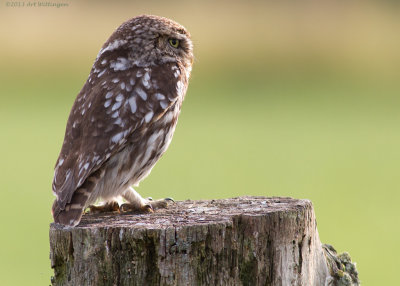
x=239 y=241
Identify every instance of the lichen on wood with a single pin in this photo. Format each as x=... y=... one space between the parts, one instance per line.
x=342 y=270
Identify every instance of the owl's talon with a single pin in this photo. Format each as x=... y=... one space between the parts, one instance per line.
x=148 y=208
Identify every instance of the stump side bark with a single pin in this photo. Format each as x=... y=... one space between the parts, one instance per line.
x=239 y=241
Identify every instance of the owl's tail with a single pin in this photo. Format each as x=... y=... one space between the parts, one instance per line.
x=72 y=213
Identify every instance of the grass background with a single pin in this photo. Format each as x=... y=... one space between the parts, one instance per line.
x=286 y=99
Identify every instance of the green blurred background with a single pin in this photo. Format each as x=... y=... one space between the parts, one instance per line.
x=287 y=98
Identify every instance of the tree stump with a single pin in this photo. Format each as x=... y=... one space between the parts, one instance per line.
x=239 y=241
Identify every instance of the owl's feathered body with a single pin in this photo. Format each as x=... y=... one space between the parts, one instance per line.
x=123 y=119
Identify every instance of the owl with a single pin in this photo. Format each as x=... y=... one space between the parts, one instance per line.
x=123 y=119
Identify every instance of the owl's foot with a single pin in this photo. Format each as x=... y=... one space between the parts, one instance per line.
x=160 y=204
x=147 y=207
x=107 y=207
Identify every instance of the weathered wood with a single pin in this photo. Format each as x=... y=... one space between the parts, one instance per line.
x=240 y=241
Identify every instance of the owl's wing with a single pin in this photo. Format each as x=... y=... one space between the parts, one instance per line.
x=111 y=110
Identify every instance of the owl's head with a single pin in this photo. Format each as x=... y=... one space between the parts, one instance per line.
x=147 y=41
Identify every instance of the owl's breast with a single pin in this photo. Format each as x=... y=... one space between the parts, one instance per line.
x=135 y=161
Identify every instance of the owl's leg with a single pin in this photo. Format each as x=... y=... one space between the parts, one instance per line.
x=137 y=203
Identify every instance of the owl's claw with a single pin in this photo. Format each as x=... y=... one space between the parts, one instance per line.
x=149 y=208
x=107 y=207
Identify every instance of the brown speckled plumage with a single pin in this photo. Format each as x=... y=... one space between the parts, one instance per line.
x=123 y=119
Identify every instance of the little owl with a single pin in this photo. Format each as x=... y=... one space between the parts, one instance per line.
x=123 y=119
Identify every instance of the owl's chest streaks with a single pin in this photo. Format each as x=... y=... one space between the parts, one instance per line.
x=135 y=161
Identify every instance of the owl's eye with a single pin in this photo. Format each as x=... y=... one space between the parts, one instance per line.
x=173 y=42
